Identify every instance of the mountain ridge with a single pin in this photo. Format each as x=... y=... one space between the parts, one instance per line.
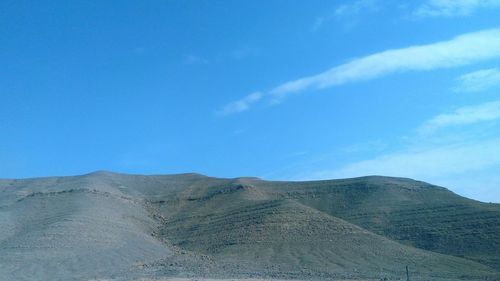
x=195 y=225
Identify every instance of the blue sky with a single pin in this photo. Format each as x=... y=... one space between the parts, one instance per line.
x=289 y=90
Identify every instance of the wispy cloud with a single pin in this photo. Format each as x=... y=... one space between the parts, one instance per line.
x=354 y=8
x=462 y=50
x=193 y=59
x=460 y=166
x=244 y=52
x=439 y=157
x=453 y=8
x=348 y=11
x=478 y=80
x=241 y=104
x=319 y=21
x=462 y=116
x=426 y=163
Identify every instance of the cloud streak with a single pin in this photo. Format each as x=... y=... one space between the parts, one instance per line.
x=462 y=50
x=437 y=158
x=463 y=167
x=453 y=8
x=241 y=104
x=193 y=59
x=347 y=11
x=462 y=116
x=436 y=162
x=477 y=81
x=355 y=8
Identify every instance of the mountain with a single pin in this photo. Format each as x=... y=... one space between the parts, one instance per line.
x=106 y=225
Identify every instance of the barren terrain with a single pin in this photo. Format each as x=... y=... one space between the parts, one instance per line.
x=109 y=226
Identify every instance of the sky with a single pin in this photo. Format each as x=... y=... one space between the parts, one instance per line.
x=277 y=89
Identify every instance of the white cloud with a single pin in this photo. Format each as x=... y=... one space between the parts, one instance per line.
x=240 y=105
x=428 y=164
x=470 y=169
x=193 y=59
x=462 y=50
x=457 y=161
x=462 y=116
x=355 y=7
x=347 y=11
x=318 y=23
x=478 y=80
x=453 y=8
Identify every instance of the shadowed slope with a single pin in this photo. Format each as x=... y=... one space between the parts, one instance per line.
x=412 y=212
x=266 y=231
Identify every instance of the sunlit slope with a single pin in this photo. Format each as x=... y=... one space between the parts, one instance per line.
x=74 y=228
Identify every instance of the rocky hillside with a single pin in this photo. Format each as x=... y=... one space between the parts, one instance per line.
x=126 y=227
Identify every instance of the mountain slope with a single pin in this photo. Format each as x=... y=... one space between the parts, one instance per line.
x=74 y=228
x=285 y=236
x=411 y=212
x=108 y=225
